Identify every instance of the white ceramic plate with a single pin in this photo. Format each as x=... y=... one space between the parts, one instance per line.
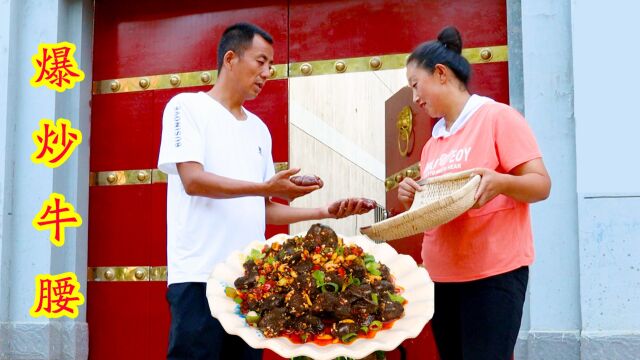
x=418 y=291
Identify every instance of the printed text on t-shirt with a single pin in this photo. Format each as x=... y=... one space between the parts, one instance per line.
x=450 y=160
x=177 y=133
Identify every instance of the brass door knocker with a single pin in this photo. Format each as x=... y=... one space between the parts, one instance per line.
x=405 y=128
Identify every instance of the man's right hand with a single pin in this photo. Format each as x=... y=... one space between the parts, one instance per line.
x=406 y=191
x=280 y=186
x=350 y=206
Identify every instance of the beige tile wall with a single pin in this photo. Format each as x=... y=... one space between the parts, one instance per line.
x=336 y=131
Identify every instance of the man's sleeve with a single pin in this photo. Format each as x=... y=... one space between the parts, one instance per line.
x=514 y=140
x=181 y=140
x=269 y=170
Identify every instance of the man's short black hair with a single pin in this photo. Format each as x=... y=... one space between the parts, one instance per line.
x=238 y=38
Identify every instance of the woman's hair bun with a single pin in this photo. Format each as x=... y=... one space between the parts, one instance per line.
x=447 y=50
x=451 y=39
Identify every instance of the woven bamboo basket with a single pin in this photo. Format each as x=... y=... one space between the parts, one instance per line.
x=442 y=199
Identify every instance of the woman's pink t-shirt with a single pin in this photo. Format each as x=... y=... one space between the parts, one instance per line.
x=497 y=237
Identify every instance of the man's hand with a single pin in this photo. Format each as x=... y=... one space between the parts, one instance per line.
x=407 y=191
x=351 y=206
x=307 y=180
x=281 y=186
x=279 y=214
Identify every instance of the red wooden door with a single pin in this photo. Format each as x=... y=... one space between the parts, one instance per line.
x=127 y=313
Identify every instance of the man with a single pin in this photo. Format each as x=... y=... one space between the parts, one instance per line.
x=221 y=178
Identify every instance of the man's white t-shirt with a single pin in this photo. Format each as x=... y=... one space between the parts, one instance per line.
x=201 y=231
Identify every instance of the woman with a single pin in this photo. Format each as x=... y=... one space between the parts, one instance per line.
x=479 y=261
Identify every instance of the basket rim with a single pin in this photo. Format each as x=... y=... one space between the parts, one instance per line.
x=453 y=197
x=435 y=206
x=448 y=177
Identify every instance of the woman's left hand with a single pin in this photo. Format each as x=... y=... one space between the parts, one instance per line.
x=491 y=185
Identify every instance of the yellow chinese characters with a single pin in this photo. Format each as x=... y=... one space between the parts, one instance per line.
x=55 y=67
x=54 y=142
x=55 y=216
x=57 y=296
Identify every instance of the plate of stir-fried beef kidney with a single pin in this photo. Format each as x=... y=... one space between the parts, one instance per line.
x=321 y=295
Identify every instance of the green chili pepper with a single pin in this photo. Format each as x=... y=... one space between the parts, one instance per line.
x=253 y=317
x=369 y=258
x=270 y=260
x=396 y=298
x=349 y=337
x=333 y=285
x=319 y=276
x=372 y=268
x=256 y=254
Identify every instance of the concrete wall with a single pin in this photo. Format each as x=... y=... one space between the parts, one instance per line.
x=554 y=296
x=575 y=90
x=607 y=167
x=25 y=252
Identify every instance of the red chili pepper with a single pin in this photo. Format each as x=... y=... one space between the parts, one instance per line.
x=341 y=272
x=316 y=267
x=318 y=249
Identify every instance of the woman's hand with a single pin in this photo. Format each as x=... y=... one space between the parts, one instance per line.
x=406 y=191
x=528 y=182
x=491 y=185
